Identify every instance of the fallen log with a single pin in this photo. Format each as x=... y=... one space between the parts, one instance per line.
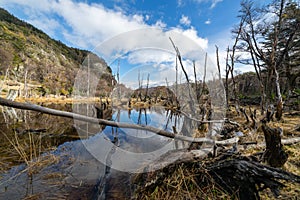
x=290 y=141
x=34 y=107
x=295 y=113
x=250 y=144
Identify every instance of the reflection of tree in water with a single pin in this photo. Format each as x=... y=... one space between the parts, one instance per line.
x=116 y=133
x=33 y=133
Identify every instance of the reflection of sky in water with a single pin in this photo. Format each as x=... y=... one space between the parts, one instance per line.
x=144 y=141
x=130 y=149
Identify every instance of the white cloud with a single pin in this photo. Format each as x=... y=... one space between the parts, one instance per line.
x=95 y=22
x=48 y=25
x=160 y=24
x=88 y=25
x=187 y=41
x=179 y=3
x=147 y=17
x=185 y=20
x=207 y=22
x=213 y=2
x=150 y=55
x=193 y=35
x=151 y=50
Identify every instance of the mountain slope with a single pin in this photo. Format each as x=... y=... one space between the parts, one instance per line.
x=28 y=55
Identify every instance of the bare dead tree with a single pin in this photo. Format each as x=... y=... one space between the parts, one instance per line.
x=180 y=60
x=262 y=41
x=227 y=71
x=176 y=78
x=168 y=95
x=232 y=63
x=257 y=67
x=147 y=86
x=186 y=76
x=196 y=82
x=218 y=62
x=118 y=79
x=204 y=76
x=140 y=81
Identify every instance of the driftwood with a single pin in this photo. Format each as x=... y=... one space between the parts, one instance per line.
x=33 y=107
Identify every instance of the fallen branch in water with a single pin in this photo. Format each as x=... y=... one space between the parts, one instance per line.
x=33 y=107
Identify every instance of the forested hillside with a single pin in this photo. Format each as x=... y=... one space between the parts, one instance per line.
x=29 y=56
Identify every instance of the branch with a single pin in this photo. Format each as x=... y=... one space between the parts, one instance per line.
x=33 y=107
x=180 y=59
x=218 y=61
x=185 y=73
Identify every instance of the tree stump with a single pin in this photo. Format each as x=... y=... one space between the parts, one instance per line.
x=279 y=110
x=274 y=154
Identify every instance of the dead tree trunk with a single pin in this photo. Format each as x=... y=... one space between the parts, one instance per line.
x=196 y=82
x=204 y=75
x=257 y=68
x=146 y=93
x=192 y=103
x=227 y=70
x=139 y=98
x=118 y=79
x=279 y=106
x=274 y=154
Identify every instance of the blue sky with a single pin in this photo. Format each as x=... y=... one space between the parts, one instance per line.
x=207 y=17
x=87 y=24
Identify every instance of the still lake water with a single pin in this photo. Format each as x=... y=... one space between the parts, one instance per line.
x=95 y=167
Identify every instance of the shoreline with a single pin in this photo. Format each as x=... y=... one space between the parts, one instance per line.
x=58 y=100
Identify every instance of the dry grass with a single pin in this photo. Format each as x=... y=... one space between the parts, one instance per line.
x=58 y=100
x=29 y=152
x=183 y=182
x=194 y=183
x=292 y=190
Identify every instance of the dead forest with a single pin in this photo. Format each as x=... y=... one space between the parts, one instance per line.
x=244 y=148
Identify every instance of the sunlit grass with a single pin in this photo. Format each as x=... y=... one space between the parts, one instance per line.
x=29 y=151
